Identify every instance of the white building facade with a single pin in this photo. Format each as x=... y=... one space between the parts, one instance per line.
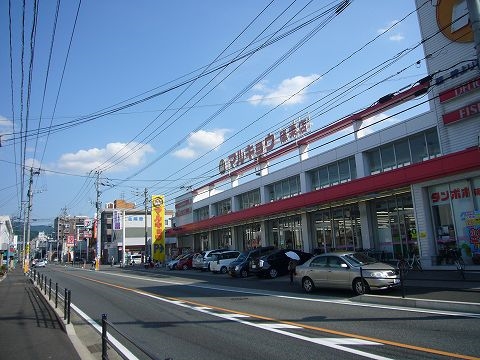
x=411 y=188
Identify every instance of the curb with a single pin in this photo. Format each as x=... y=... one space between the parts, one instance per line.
x=443 y=305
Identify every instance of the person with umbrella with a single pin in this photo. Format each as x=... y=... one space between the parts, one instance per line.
x=292 y=264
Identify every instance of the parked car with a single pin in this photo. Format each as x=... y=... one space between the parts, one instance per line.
x=40 y=263
x=197 y=262
x=185 y=262
x=240 y=267
x=220 y=261
x=276 y=263
x=204 y=261
x=172 y=264
x=342 y=270
x=135 y=259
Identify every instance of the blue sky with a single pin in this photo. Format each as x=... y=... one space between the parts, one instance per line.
x=153 y=93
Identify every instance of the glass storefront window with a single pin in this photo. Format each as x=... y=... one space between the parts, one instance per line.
x=388 y=157
x=333 y=174
x=418 y=148
x=285 y=188
x=433 y=146
x=374 y=161
x=450 y=204
x=337 y=172
x=396 y=228
x=414 y=149
x=286 y=233
x=402 y=153
x=249 y=236
x=323 y=178
x=222 y=238
x=337 y=229
x=344 y=170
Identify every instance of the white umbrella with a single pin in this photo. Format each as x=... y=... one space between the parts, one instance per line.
x=292 y=255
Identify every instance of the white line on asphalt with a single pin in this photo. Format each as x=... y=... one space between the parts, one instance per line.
x=334 y=343
x=346 y=302
x=119 y=347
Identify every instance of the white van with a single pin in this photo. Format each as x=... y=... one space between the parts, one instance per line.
x=220 y=261
x=135 y=259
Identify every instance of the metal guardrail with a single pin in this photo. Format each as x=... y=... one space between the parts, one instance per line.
x=40 y=280
x=107 y=328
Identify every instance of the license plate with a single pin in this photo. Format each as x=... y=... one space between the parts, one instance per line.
x=254 y=266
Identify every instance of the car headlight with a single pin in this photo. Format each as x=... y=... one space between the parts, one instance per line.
x=379 y=274
x=260 y=263
x=237 y=268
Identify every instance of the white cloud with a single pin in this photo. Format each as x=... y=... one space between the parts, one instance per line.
x=85 y=160
x=373 y=124
x=32 y=163
x=388 y=27
x=6 y=127
x=397 y=37
x=285 y=89
x=201 y=142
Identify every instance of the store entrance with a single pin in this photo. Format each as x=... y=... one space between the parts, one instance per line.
x=396 y=235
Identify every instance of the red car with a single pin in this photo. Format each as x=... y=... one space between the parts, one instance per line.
x=185 y=262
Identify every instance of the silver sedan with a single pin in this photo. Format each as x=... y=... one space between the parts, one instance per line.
x=345 y=270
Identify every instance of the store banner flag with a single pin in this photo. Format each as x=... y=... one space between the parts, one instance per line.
x=158 y=227
x=117 y=220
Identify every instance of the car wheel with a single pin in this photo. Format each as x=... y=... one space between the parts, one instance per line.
x=185 y=267
x=273 y=273
x=308 y=285
x=244 y=273
x=360 y=289
x=223 y=269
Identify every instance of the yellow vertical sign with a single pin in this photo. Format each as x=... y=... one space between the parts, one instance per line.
x=158 y=227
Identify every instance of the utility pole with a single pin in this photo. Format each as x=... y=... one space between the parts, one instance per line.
x=474 y=14
x=97 y=222
x=29 y=209
x=146 y=215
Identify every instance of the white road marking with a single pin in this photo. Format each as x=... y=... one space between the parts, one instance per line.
x=110 y=337
x=346 y=302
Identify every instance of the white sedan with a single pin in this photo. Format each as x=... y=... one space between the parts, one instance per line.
x=40 y=263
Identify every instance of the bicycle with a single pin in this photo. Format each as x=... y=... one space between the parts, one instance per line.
x=413 y=263
x=458 y=261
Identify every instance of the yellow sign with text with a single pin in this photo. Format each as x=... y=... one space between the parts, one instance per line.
x=158 y=228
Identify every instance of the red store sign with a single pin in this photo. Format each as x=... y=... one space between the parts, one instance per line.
x=465 y=88
x=457 y=193
x=462 y=113
x=251 y=152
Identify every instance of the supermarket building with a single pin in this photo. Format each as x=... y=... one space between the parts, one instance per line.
x=413 y=187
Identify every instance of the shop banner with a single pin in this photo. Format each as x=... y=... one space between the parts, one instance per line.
x=117 y=220
x=158 y=227
x=472 y=229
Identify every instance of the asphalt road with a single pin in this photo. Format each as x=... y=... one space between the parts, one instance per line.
x=187 y=315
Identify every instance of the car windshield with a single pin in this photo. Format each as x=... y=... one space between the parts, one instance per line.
x=241 y=257
x=359 y=259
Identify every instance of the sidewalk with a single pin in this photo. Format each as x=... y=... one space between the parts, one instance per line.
x=443 y=290
x=30 y=327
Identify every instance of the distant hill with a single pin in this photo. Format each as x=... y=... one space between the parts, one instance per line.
x=34 y=229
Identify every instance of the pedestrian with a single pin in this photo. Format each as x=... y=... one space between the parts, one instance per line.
x=292 y=265
x=93 y=264
x=112 y=261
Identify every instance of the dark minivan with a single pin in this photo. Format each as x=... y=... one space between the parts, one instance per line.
x=275 y=263
x=240 y=267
